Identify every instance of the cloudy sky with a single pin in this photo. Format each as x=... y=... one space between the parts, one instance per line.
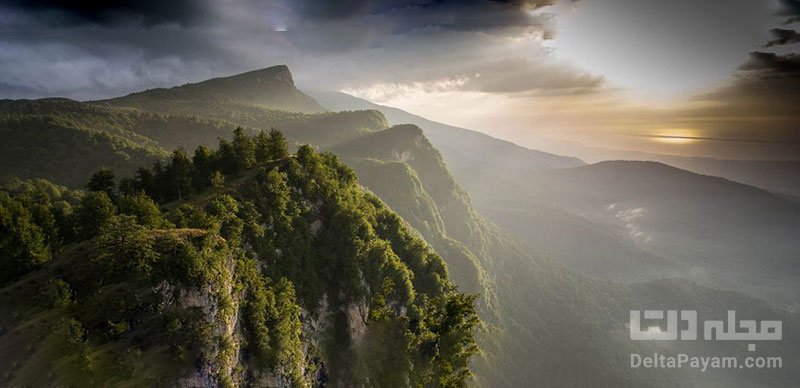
x=700 y=77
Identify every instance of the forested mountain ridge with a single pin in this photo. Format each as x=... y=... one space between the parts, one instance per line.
x=321 y=128
x=258 y=99
x=400 y=165
x=471 y=156
x=632 y=220
x=570 y=313
x=42 y=137
x=473 y=149
x=288 y=274
x=42 y=134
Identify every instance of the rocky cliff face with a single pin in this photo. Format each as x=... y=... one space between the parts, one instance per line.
x=288 y=275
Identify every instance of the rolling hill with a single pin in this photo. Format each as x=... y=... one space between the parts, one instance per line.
x=717 y=232
x=40 y=135
x=782 y=177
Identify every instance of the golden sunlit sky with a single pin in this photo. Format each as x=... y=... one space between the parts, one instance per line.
x=670 y=79
x=702 y=77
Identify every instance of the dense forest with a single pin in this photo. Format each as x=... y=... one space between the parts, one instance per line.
x=241 y=265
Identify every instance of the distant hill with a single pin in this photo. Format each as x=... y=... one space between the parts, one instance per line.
x=527 y=288
x=781 y=177
x=470 y=155
x=558 y=209
x=65 y=141
x=717 y=232
x=271 y=88
x=258 y=99
x=141 y=128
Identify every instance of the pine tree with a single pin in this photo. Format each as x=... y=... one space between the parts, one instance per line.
x=244 y=149
x=143 y=208
x=226 y=159
x=94 y=212
x=203 y=161
x=102 y=180
x=262 y=147
x=217 y=180
x=276 y=145
x=146 y=182
x=180 y=174
x=23 y=245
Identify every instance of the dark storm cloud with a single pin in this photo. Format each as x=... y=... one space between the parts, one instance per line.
x=328 y=10
x=146 y=12
x=448 y=11
x=790 y=9
x=402 y=16
x=783 y=37
x=768 y=64
x=90 y=49
x=468 y=15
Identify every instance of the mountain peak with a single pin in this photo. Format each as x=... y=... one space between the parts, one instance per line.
x=272 y=87
x=273 y=74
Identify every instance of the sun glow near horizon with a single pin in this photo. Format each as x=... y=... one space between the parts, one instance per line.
x=676 y=137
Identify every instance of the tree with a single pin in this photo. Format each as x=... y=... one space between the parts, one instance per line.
x=95 y=212
x=124 y=248
x=180 y=174
x=143 y=208
x=307 y=156
x=38 y=197
x=226 y=158
x=262 y=147
x=276 y=145
x=22 y=243
x=224 y=209
x=156 y=187
x=244 y=149
x=129 y=186
x=217 y=180
x=146 y=181
x=203 y=161
x=102 y=180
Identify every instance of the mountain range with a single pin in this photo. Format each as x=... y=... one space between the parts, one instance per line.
x=557 y=250
x=630 y=220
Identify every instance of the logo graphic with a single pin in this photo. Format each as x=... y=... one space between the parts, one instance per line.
x=713 y=330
